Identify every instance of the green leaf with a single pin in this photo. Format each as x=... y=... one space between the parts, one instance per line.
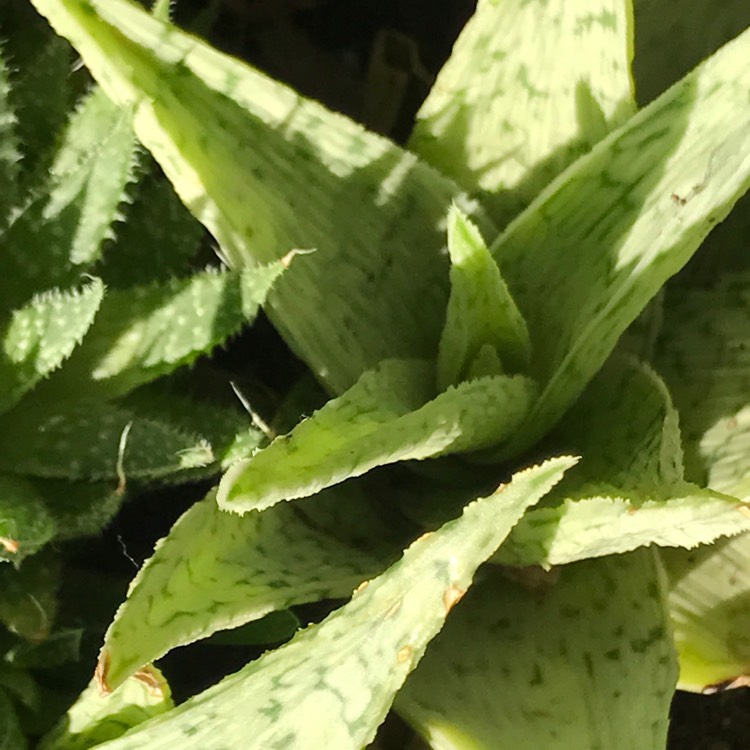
x=25 y=523
x=512 y=108
x=268 y=171
x=384 y=418
x=481 y=312
x=61 y=230
x=592 y=526
x=157 y=241
x=28 y=596
x=668 y=44
x=96 y=440
x=143 y=333
x=39 y=337
x=702 y=352
x=94 y=719
x=585 y=663
x=709 y=599
x=216 y=571
x=43 y=87
x=333 y=683
x=9 y=151
x=585 y=258
x=79 y=508
x=11 y=735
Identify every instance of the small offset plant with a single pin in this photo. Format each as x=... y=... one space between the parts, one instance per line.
x=507 y=384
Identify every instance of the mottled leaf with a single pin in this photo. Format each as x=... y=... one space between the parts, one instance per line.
x=268 y=171
x=528 y=88
x=586 y=663
x=41 y=335
x=94 y=719
x=585 y=258
x=481 y=313
x=704 y=354
x=384 y=418
x=709 y=600
x=215 y=571
x=332 y=684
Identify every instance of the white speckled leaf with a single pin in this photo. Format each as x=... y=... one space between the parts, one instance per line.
x=268 y=171
x=709 y=600
x=94 y=719
x=145 y=332
x=60 y=231
x=384 y=418
x=84 y=440
x=216 y=571
x=332 y=684
x=25 y=523
x=9 y=153
x=481 y=312
x=528 y=88
x=586 y=663
x=587 y=255
x=41 y=335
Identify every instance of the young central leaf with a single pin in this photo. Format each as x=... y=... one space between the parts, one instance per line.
x=385 y=417
x=482 y=316
x=332 y=685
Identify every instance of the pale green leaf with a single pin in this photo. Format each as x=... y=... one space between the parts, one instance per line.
x=332 y=684
x=96 y=440
x=143 y=333
x=528 y=88
x=94 y=718
x=268 y=171
x=216 y=571
x=595 y=526
x=709 y=601
x=480 y=312
x=586 y=663
x=585 y=258
x=704 y=354
x=25 y=522
x=40 y=336
x=384 y=418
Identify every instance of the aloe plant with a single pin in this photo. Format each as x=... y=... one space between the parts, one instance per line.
x=474 y=304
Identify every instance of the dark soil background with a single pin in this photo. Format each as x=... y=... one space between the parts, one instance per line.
x=328 y=50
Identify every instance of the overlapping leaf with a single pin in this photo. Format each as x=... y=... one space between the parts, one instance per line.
x=245 y=154
x=528 y=88
x=333 y=683
x=385 y=417
x=586 y=662
x=584 y=259
x=217 y=571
